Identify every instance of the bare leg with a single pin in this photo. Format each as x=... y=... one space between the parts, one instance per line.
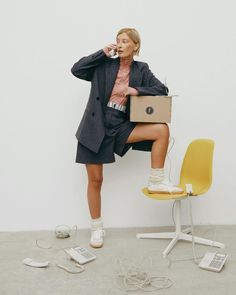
x=159 y=133
x=95 y=178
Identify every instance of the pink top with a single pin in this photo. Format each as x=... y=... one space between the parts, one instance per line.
x=121 y=82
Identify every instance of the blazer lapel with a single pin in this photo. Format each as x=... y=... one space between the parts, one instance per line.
x=135 y=77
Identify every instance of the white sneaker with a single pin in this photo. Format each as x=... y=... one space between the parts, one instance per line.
x=163 y=187
x=96 y=240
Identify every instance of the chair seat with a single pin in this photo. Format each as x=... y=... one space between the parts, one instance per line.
x=164 y=196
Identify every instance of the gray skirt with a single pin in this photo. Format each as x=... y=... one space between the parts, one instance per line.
x=117 y=131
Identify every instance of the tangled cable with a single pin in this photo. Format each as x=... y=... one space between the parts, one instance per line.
x=133 y=277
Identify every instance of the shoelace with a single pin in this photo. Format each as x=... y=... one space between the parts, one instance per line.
x=98 y=233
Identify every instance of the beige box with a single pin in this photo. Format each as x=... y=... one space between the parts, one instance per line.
x=150 y=109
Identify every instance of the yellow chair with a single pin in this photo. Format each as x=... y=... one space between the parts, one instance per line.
x=196 y=170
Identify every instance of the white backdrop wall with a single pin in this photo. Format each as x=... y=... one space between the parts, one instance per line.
x=191 y=44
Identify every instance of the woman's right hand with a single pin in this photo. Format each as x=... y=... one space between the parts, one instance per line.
x=107 y=49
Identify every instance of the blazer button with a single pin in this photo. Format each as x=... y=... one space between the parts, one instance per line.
x=93 y=114
x=97 y=98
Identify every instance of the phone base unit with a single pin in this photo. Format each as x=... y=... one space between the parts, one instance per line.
x=80 y=254
x=213 y=261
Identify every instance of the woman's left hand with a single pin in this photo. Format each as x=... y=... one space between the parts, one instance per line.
x=130 y=91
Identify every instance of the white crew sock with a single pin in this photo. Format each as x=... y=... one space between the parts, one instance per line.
x=96 y=223
x=157 y=175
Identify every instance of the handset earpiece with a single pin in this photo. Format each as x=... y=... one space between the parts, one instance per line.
x=113 y=52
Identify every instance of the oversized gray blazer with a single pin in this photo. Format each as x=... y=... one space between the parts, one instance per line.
x=101 y=71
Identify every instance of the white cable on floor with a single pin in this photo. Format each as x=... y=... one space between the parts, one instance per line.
x=66 y=233
x=133 y=277
x=81 y=268
x=63 y=231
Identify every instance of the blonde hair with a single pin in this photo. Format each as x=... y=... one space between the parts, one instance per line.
x=134 y=36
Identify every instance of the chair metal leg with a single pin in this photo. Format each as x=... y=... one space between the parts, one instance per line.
x=171 y=245
x=202 y=241
x=166 y=235
x=178 y=234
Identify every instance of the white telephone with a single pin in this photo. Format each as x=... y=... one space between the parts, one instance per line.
x=80 y=254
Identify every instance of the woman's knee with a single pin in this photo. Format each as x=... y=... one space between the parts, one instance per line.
x=162 y=131
x=95 y=176
x=95 y=179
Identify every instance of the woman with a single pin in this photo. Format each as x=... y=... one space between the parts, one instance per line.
x=105 y=128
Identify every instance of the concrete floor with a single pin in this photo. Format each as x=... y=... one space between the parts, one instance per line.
x=99 y=276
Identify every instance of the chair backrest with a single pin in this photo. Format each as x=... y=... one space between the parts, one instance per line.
x=197 y=165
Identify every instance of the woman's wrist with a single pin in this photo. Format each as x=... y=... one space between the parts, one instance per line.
x=133 y=91
x=130 y=91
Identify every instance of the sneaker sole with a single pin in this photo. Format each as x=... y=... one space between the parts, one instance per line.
x=96 y=246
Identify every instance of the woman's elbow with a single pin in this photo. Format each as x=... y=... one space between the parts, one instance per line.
x=74 y=70
x=78 y=73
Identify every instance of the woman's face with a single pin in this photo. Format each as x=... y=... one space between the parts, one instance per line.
x=125 y=46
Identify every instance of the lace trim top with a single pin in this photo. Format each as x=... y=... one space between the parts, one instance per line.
x=121 y=82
